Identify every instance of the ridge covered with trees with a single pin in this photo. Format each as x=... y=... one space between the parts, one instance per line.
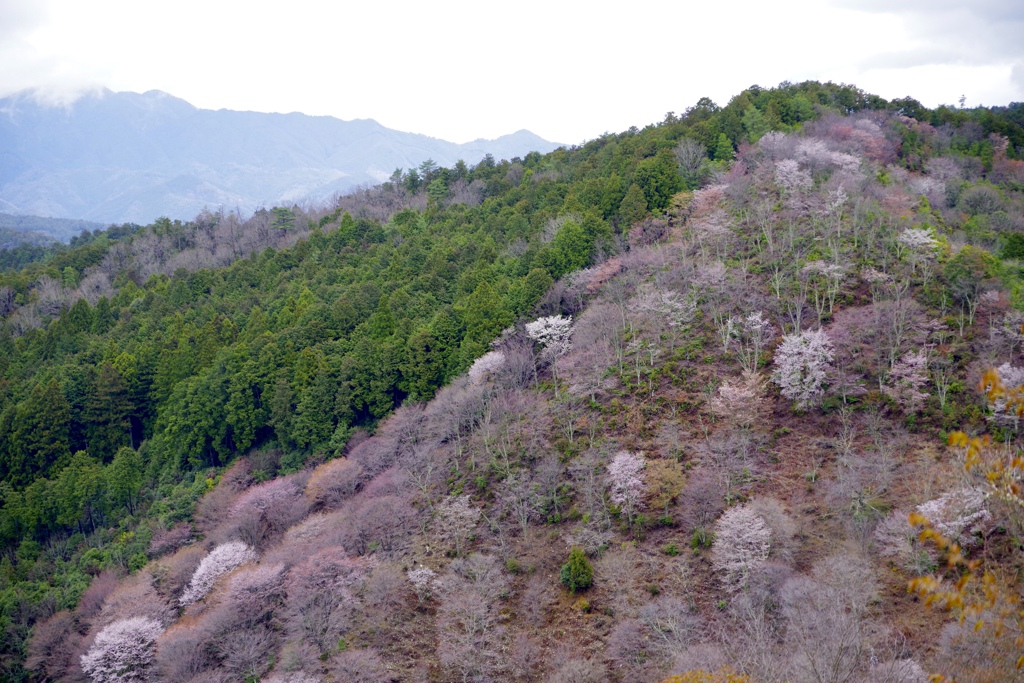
x=676 y=392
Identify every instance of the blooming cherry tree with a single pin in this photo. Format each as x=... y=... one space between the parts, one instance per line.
x=123 y=651
x=905 y=380
x=220 y=561
x=919 y=245
x=456 y=521
x=625 y=476
x=485 y=366
x=802 y=363
x=552 y=333
x=917 y=239
x=742 y=543
x=790 y=179
x=421 y=578
x=1012 y=379
x=958 y=515
x=740 y=401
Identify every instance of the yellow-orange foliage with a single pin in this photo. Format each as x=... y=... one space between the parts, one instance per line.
x=725 y=675
x=1003 y=475
x=667 y=480
x=979 y=597
x=334 y=481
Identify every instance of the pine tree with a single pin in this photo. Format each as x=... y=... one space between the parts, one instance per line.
x=106 y=414
x=424 y=369
x=484 y=315
x=40 y=441
x=124 y=479
x=755 y=123
x=634 y=205
x=577 y=574
x=282 y=407
x=723 y=148
x=313 y=417
x=103 y=316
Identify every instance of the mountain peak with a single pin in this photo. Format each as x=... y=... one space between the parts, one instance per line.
x=125 y=156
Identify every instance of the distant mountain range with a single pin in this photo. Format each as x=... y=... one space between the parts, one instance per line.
x=15 y=230
x=125 y=157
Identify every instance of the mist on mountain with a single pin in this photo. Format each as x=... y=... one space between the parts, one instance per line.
x=129 y=157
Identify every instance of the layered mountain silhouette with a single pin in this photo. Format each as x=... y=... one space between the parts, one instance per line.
x=129 y=157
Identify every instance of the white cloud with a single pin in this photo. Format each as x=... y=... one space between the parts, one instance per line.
x=984 y=35
x=461 y=70
x=18 y=17
x=1017 y=76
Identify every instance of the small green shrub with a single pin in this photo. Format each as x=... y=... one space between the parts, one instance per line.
x=701 y=538
x=577 y=574
x=137 y=561
x=582 y=605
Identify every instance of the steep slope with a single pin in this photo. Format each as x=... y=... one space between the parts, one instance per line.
x=120 y=157
x=726 y=387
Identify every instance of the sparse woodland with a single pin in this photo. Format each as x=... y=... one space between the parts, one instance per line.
x=733 y=398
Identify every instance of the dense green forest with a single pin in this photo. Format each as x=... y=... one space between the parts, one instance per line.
x=138 y=363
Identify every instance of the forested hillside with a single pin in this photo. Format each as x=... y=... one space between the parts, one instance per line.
x=662 y=406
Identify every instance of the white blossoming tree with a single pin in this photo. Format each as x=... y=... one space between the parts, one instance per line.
x=917 y=245
x=485 y=366
x=908 y=375
x=742 y=543
x=1012 y=379
x=220 y=561
x=123 y=651
x=740 y=401
x=625 y=477
x=421 y=578
x=959 y=515
x=552 y=333
x=790 y=178
x=674 y=310
x=456 y=521
x=802 y=363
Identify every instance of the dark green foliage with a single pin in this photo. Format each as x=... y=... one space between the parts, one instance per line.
x=35 y=435
x=577 y=574
x=569 y=251
x=634 y=205
x=106 y=413
x=1013 y=247
x=658 y=177
x=968 y=271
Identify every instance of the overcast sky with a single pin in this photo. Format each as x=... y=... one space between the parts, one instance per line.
x=568 y=71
